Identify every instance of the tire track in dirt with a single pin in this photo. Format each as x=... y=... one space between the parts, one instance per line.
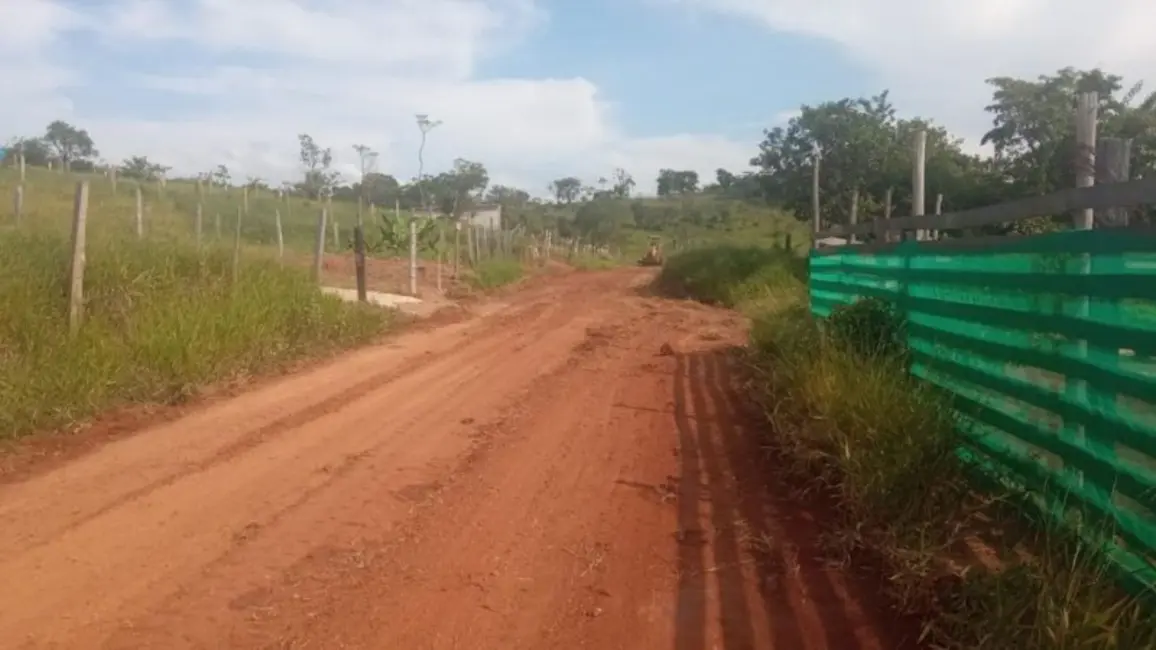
x=538 y=477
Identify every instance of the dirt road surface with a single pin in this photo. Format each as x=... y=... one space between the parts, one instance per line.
x=544 y=474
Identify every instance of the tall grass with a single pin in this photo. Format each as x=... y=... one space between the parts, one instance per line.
x=494 y=272
x=848 y=421
x=162 y=319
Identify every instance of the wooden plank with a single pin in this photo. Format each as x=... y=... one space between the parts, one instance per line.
x=1099 y=197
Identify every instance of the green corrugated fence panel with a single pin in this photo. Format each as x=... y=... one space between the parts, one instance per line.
x=1048 y=344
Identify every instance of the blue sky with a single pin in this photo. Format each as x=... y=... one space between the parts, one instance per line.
x=535 y=89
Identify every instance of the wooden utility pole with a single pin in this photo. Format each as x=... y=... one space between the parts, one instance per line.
x=918 y=171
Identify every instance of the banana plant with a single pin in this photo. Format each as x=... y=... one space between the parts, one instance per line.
x=394 y=231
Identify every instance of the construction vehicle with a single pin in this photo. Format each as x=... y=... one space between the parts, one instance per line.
x=653 y=255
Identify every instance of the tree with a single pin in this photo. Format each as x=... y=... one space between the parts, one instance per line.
x=378 y=188
x=319 y=178
x=367 y=159
x=69 y=143
x=603 y=220
x=566 y=190
x=672 y=182
x=724 y=179
x=623 y=184
x=142 y=169
x=1032 y=131
x=37 y=152
x=507 y=197
x=220 y=176
x=457 y=191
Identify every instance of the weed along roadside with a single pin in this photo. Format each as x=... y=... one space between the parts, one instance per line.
x=161 y=321
x=962 y=544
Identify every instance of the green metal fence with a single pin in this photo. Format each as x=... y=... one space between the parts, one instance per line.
x=1048 y=344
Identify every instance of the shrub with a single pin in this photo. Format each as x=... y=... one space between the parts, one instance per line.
x=496 y=272
x=871 y=327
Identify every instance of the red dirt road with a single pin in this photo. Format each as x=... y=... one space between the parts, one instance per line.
x=536 y=476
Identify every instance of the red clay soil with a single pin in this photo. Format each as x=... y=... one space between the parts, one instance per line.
x=568 y=469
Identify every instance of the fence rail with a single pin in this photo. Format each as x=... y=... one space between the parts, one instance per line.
x=1099 y=197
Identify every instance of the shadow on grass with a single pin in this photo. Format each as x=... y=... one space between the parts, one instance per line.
x=737 y=528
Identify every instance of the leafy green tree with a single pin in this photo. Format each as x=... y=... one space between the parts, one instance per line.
x=566 y=190
x=141 y=168
x=69 y=143
x=319 y=178
x=672 y=182
x=623 y=184
x=603 y=220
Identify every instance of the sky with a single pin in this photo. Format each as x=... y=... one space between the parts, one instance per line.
x=534 y=89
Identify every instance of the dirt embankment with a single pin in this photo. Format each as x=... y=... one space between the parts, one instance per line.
x=544 y=474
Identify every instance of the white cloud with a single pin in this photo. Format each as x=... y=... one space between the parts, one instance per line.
x=935 y=54
x=245 y=78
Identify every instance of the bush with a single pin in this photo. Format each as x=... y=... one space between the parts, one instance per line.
x=496 y=272
x=870 y=327
x=730 y=275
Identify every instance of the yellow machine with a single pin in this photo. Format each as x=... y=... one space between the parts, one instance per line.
x=653 y=255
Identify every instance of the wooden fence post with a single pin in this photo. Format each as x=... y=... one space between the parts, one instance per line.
x=237 y=245
x=280 y=235
x=1086 y=115
x=18 y=203
x=139 y=213
x=888 y=236
x=319 y=246
x=20 y=161
x=1076 y=389
x=76 y=266
x=198 y=223
x=816 y=225
x=457 y=245
x=359 y=263
x=938 y=211
x=412 y=255
x=853 y=217
x=918 y=205
x=1113 y=165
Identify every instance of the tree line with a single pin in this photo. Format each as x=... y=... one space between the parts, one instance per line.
x=865 y=150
